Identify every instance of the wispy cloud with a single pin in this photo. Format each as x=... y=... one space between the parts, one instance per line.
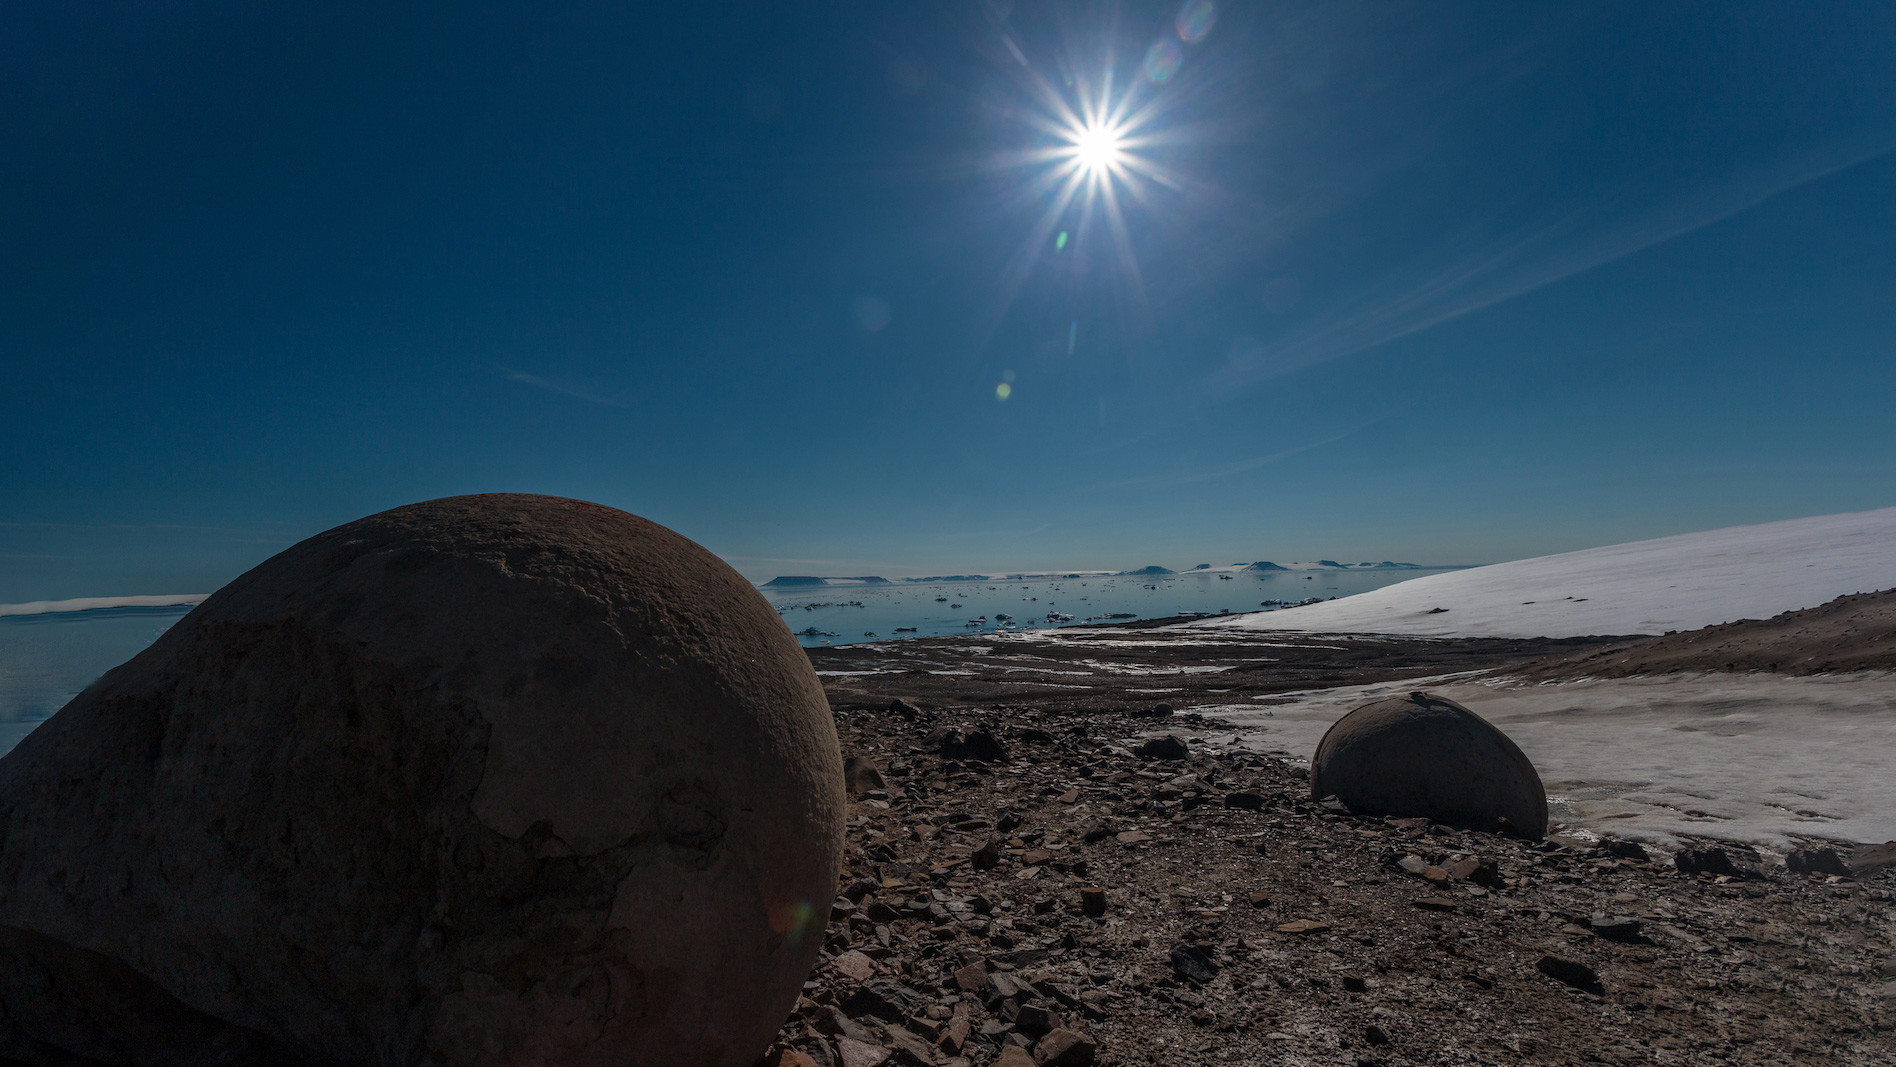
x=560 y=388
x=1227 y=470
x=1532 y=259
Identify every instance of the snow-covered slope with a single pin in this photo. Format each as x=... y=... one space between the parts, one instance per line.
x=1643 y=587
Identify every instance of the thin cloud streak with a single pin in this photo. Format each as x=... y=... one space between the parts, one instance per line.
x=1243 y=465
x=561 y=389
x=1447 y=296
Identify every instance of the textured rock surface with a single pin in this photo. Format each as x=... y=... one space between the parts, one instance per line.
x=483 y=780
x=1422 y=756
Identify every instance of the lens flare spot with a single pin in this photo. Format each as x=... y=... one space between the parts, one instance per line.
x=793 y=919
x=1060 y=242
x=872 y=313
x=1162 y=60
x=1195 y=20
x=1003 y=391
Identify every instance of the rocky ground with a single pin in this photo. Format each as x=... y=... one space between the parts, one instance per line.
x=1041 y=880
x=1851 y=633
x=1135 y=668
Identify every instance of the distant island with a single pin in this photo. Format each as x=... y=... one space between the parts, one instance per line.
x=810 y=581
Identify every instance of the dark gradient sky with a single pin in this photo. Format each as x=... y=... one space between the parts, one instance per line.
x=1449 y=282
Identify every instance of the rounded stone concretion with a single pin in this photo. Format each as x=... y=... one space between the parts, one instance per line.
x=484 y=780
x=1420 y=756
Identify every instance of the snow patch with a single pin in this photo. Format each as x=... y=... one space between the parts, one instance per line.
x=1755 y=758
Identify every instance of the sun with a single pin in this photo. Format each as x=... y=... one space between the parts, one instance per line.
x=1097 y=148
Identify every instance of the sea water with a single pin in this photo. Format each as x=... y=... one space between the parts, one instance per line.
x=46 y=660
x=851 y=614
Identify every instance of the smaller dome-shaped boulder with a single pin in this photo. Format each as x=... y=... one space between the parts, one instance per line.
x=1421 y=756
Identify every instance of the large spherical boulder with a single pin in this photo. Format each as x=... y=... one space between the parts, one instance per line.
x=485 y=780
x=1420 y=756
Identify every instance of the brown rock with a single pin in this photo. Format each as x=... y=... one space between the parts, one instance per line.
x=831 y=1020
x=1169 y=747
x=1034 y=1020
x=1421 y=756
x=973 y=745
x=1303 y=926
x=1193 y=964
x=1630 y=850
x=1569 y=972
x=1093 y=901
x=1816 y=861
x=1615 y=927
x=912 y=1048
x=954 y=1036
x=853 y=1053
x=1065 y=1048
x=1013 y=1056
x=483 y=736
x=1712 y=860
x=1474 y=869
x=854 y=965
x=972 y=979
x=861 y=775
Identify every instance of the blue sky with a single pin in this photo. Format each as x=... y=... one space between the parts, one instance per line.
x=1442 y=282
